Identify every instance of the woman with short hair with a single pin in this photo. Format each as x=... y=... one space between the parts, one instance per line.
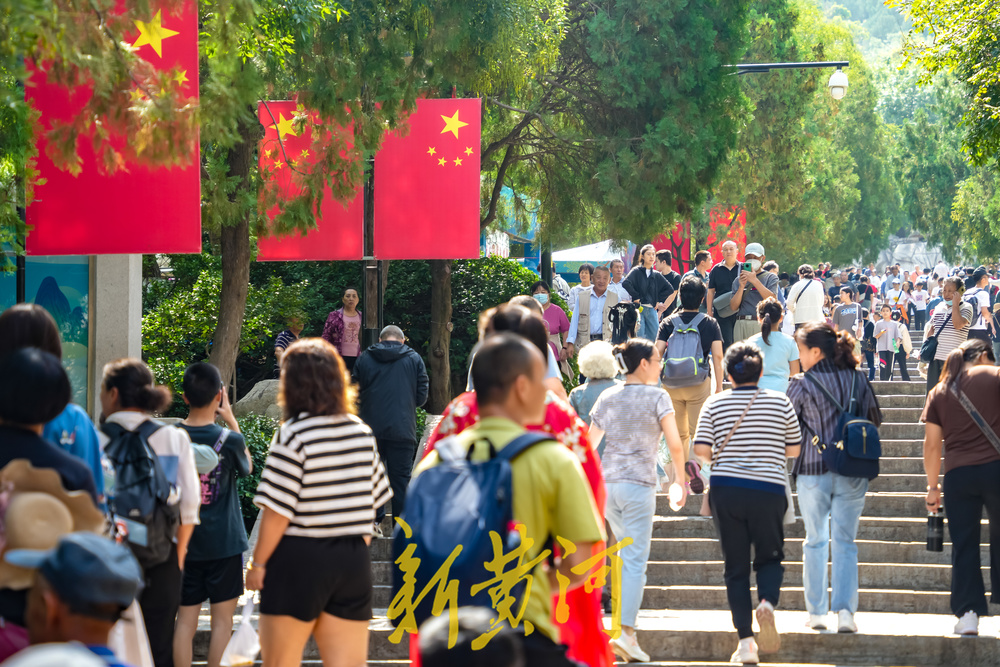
x=557 y=322
x=825 y=497
x=311 y=561
x=805 y=298
x=972 y=469
x=748 y=432
x=597 y=364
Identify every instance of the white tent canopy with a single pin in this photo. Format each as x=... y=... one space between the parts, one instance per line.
x=595 y=252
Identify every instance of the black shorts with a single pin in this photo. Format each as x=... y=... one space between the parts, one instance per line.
x=307 y=575
x=213 y=580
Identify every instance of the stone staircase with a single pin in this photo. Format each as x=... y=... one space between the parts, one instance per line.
x=904 y=616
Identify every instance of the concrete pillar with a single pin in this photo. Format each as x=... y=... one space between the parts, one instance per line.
x=116 y=316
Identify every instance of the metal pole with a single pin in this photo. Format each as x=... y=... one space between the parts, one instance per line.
x=372 y=277
x=757 y=68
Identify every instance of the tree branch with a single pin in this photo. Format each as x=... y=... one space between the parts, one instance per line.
x=491 y=214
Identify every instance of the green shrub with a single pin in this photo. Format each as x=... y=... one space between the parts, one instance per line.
x=258 y=432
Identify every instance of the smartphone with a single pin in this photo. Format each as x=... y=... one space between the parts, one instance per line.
x=747 y=267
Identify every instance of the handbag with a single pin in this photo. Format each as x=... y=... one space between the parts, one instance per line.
x=976 y=416
x=706 y=508
x=720 y=305
x=929 y=347
x=857 y=452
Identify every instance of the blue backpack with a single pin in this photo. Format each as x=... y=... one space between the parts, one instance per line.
x=458 y=502
x=858 y=449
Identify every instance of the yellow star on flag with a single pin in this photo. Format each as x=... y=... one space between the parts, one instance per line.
x=442 y=162
x=458 y=162
x=452 y=124
x=285 y=126
x=468 y=151
x=431 y=150
x=153 y=34
x=181 y=76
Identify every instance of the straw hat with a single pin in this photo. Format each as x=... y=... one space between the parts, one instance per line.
x=38 y=512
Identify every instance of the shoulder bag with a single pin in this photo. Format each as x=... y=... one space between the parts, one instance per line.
x=976 y=416
x=706 y=509
x=858 y=449
x=929 y=347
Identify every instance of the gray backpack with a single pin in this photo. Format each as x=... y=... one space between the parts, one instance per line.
x=684 y=364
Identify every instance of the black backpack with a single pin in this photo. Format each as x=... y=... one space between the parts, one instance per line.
x=139 y=500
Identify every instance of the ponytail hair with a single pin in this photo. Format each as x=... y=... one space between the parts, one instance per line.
x=136 y=389
x=838 y=347
x=769 y=311
x=968 y=351
x=630 y=354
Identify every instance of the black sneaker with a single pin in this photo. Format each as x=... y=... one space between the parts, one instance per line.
x=697 y=483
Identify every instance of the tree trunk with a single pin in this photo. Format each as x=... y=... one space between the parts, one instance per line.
x=440 y=339
x=235 y=245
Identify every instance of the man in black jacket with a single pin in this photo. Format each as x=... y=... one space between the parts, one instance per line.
x=393 y=383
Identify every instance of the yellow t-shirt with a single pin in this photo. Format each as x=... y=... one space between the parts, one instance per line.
x=551 y=498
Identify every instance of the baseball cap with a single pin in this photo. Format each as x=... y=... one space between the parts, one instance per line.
x=754 y=249
x=979 y=273
x=895 y=280
x=86 y=571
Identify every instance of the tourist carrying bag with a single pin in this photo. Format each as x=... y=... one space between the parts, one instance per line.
x=929 y=347
x=684 y=362
x=720 y=305
x=858 y=449
x=706 y=508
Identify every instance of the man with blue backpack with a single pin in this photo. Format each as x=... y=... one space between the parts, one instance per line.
x=504 y=477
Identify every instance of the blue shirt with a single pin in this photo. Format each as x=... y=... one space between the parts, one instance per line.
x=777 y=353
x=596 y=316
x=75 y=434
x=105 y=654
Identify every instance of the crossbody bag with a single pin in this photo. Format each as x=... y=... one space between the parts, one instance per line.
x=976 y=417
x=929 y=347
x=706 y=508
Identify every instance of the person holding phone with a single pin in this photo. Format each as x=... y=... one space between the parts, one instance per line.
x=752 y=286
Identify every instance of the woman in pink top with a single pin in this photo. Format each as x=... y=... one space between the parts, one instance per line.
x=343 y=328
x=556 y=321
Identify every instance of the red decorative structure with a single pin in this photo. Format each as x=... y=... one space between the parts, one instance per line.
x=427 y=184
x=285 y=151
x=136 y=209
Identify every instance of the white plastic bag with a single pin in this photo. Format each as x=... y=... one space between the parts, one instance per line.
x=244 y=645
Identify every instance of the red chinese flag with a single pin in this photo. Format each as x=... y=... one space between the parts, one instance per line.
x=284 y=150
x=136 y=209
x=427 y=184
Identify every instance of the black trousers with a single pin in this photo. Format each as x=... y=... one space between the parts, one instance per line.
x=966 y=491
x=397 y=457
x=745 y=518
x=727 y=324
x=885 y=372
x=934 y=369
x=540 y=651
x=159 y=602
x=919 y=319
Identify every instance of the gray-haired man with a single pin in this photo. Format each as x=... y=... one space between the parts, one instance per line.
x=393 y=383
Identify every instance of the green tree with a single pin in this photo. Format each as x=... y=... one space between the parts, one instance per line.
x=960 y=37
x=976 y=214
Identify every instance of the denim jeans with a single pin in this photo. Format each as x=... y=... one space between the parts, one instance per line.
x=629 y=510
x=649 y=323
x=870 y=358
x=826 y=499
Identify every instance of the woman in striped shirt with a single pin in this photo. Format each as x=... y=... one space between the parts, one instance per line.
x=321 y=484
x=749 y=432
x=826 y=497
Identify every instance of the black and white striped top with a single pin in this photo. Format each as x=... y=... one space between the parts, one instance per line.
x=756 y=452
x=325 y=475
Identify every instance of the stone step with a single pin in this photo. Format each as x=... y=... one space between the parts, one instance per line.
x=714 y=597
x=903 y=447
x=902 y=465
x=894 y=482
x=911 y=388
x=898 y=431
x=898 y=415
x=887 y=529
x=882 y=504
x=901 y=401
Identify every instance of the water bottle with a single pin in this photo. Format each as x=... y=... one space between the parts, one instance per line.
x=935 y=530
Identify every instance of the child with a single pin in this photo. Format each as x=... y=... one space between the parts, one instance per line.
x=919 y=298
x=213 y=569
x=889 y=343
x=869 y=344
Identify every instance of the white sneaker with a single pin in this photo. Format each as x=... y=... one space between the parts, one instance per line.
x=746 y=652
x=845 y=621
x=968 y=624
x=627 y=648
x=817 y=621
x=768 y=639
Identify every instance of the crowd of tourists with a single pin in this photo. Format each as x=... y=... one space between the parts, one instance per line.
x=115 y=535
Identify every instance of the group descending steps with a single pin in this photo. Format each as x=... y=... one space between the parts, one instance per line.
x=904 y=616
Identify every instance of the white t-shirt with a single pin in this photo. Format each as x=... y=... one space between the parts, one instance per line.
x=941 y=269
x=897 y=296
x=920 y=299
x=981 y=299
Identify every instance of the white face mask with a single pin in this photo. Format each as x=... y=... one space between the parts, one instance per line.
x=755 y=265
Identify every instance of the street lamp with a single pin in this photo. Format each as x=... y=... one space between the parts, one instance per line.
x=837 y=84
